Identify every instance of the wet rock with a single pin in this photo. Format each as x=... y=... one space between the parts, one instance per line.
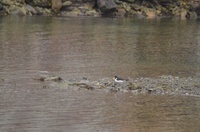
x=1 y=7
x=135 y=7
x=30 y=9
x=56 y=5
x=92 y=13
x=118 y=2
x=129 y=1
x=197 y=10
x=54 y=78
x=134 y=86
x=88 y=0
x=165 y=2
x=85 y=86
x=191 y=15
x=7 y=2
x=42 y=3
x=66 y=5
x=106 y=5
x=121 y=12
x=194 y=5
x=20 y=1
x=43 y=11
x=151 y=14
x=183 y=14
x=15 y=10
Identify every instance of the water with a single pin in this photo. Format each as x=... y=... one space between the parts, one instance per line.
x=95 y=48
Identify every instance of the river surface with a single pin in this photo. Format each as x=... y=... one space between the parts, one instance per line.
x=95 y=48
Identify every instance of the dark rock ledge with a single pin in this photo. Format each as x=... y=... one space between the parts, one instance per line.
x=183 y=9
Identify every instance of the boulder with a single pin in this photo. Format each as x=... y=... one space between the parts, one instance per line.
x=106 y=5
x=191 y=15
x=151 y=14
x=66 y=5
x=135 y=7
x=7 y=2
x=194 y=5
x=56 y=5
x=121 y=12
x=30 y=9
x=15 y=10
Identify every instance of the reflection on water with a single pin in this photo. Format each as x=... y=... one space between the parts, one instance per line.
x=95 y=48
x=98 y=48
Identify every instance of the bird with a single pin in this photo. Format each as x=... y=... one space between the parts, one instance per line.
x=118 y=79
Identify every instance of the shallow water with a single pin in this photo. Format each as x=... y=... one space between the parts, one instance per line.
x=95 y=48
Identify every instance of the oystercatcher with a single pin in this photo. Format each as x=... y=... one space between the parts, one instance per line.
x=118 y=79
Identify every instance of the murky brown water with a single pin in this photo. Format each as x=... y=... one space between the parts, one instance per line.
x=95 y=48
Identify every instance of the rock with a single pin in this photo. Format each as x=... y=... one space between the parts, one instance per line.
x=15 y=10
x=134 y=86
x=151 y=14
x=165 y=2
x=43 y=11
x=92 y=13
x=1 y=7
x=7 y=2
x=42 y=3
x=129 y=1
x=197 y=10
x=75 y=12
x=194 y=5
x=121 y=12
x=135 y=7
x=106 y=5
x=118 y=2
x=2 y=11
x=183 y=14
x=30 y=9
x=54 y=78
x=83 y=9
x=66 y=4
x=191 y=15
x=56 y=5
x=20 y=1
x=127 y=7
x=88 y=0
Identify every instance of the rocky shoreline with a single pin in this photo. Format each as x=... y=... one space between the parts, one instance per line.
x=162 y=85
x=183 y=9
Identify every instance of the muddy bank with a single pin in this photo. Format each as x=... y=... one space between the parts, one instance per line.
x=159 y=85
x=96 y=8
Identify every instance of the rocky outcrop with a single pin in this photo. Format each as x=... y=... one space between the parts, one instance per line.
x=151 y=9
